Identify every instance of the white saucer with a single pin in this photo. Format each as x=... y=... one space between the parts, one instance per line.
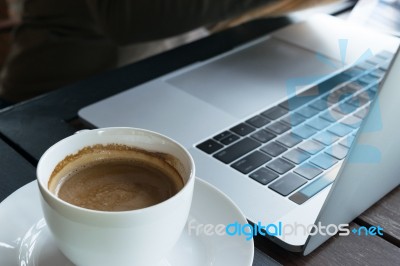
x=26 y=241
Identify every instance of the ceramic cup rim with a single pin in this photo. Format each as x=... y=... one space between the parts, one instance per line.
x=44 y=188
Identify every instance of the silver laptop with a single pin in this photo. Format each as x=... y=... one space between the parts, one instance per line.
x=270 y=123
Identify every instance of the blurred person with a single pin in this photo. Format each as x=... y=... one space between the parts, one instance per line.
x=60 y=42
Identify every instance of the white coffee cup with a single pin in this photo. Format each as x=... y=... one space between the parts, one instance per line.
x=138 y=237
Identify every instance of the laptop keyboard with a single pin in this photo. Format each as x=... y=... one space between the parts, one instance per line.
x=291 y=147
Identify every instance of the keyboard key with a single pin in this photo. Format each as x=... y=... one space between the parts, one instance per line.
x=361 y=113
x=378 y=73
x=209 y=146
x=251 y=162
x=304 y=132
x=278 y=128
x=347 y=141
x=331 y=116
x=274 y=112
x=320 y=104
x=337 y=151
x=293 y=119
x=287 y=184
x=237 y=150
x=333 y=82
x=339 y=95
x=372 y=91
x=280 y=166
x=318 y=123
x=264 y=176
x=296 y=156
x=263 y=136
x=368 y=95
x=258 y=121
x=301 y=99
x=385 y=66
x=308 y=171
x=312 y=147
x=340 y=130
x=330 y=100
x=366 y=65
x=229 y=139
x=307 y=111
x=311 y=189
x=325 y=138
x=353 y=72
x=324 y=161
x=344 y=108
x=368 y=79
x=349 y=90
x=358 y=100
x=385 y=55
x=243 y=129
x=273 y=149
x=352 y=121
x=354 y=87
x=222 y=135
x=289 y=140
x=376 y=60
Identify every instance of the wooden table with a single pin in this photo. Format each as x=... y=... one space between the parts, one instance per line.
x=29 y=128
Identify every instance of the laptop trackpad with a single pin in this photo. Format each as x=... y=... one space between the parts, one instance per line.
x=253 y=78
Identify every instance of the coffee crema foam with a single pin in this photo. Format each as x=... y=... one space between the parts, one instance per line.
x=115 y=177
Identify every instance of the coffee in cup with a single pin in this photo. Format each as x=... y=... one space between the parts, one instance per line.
x=115 y=177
